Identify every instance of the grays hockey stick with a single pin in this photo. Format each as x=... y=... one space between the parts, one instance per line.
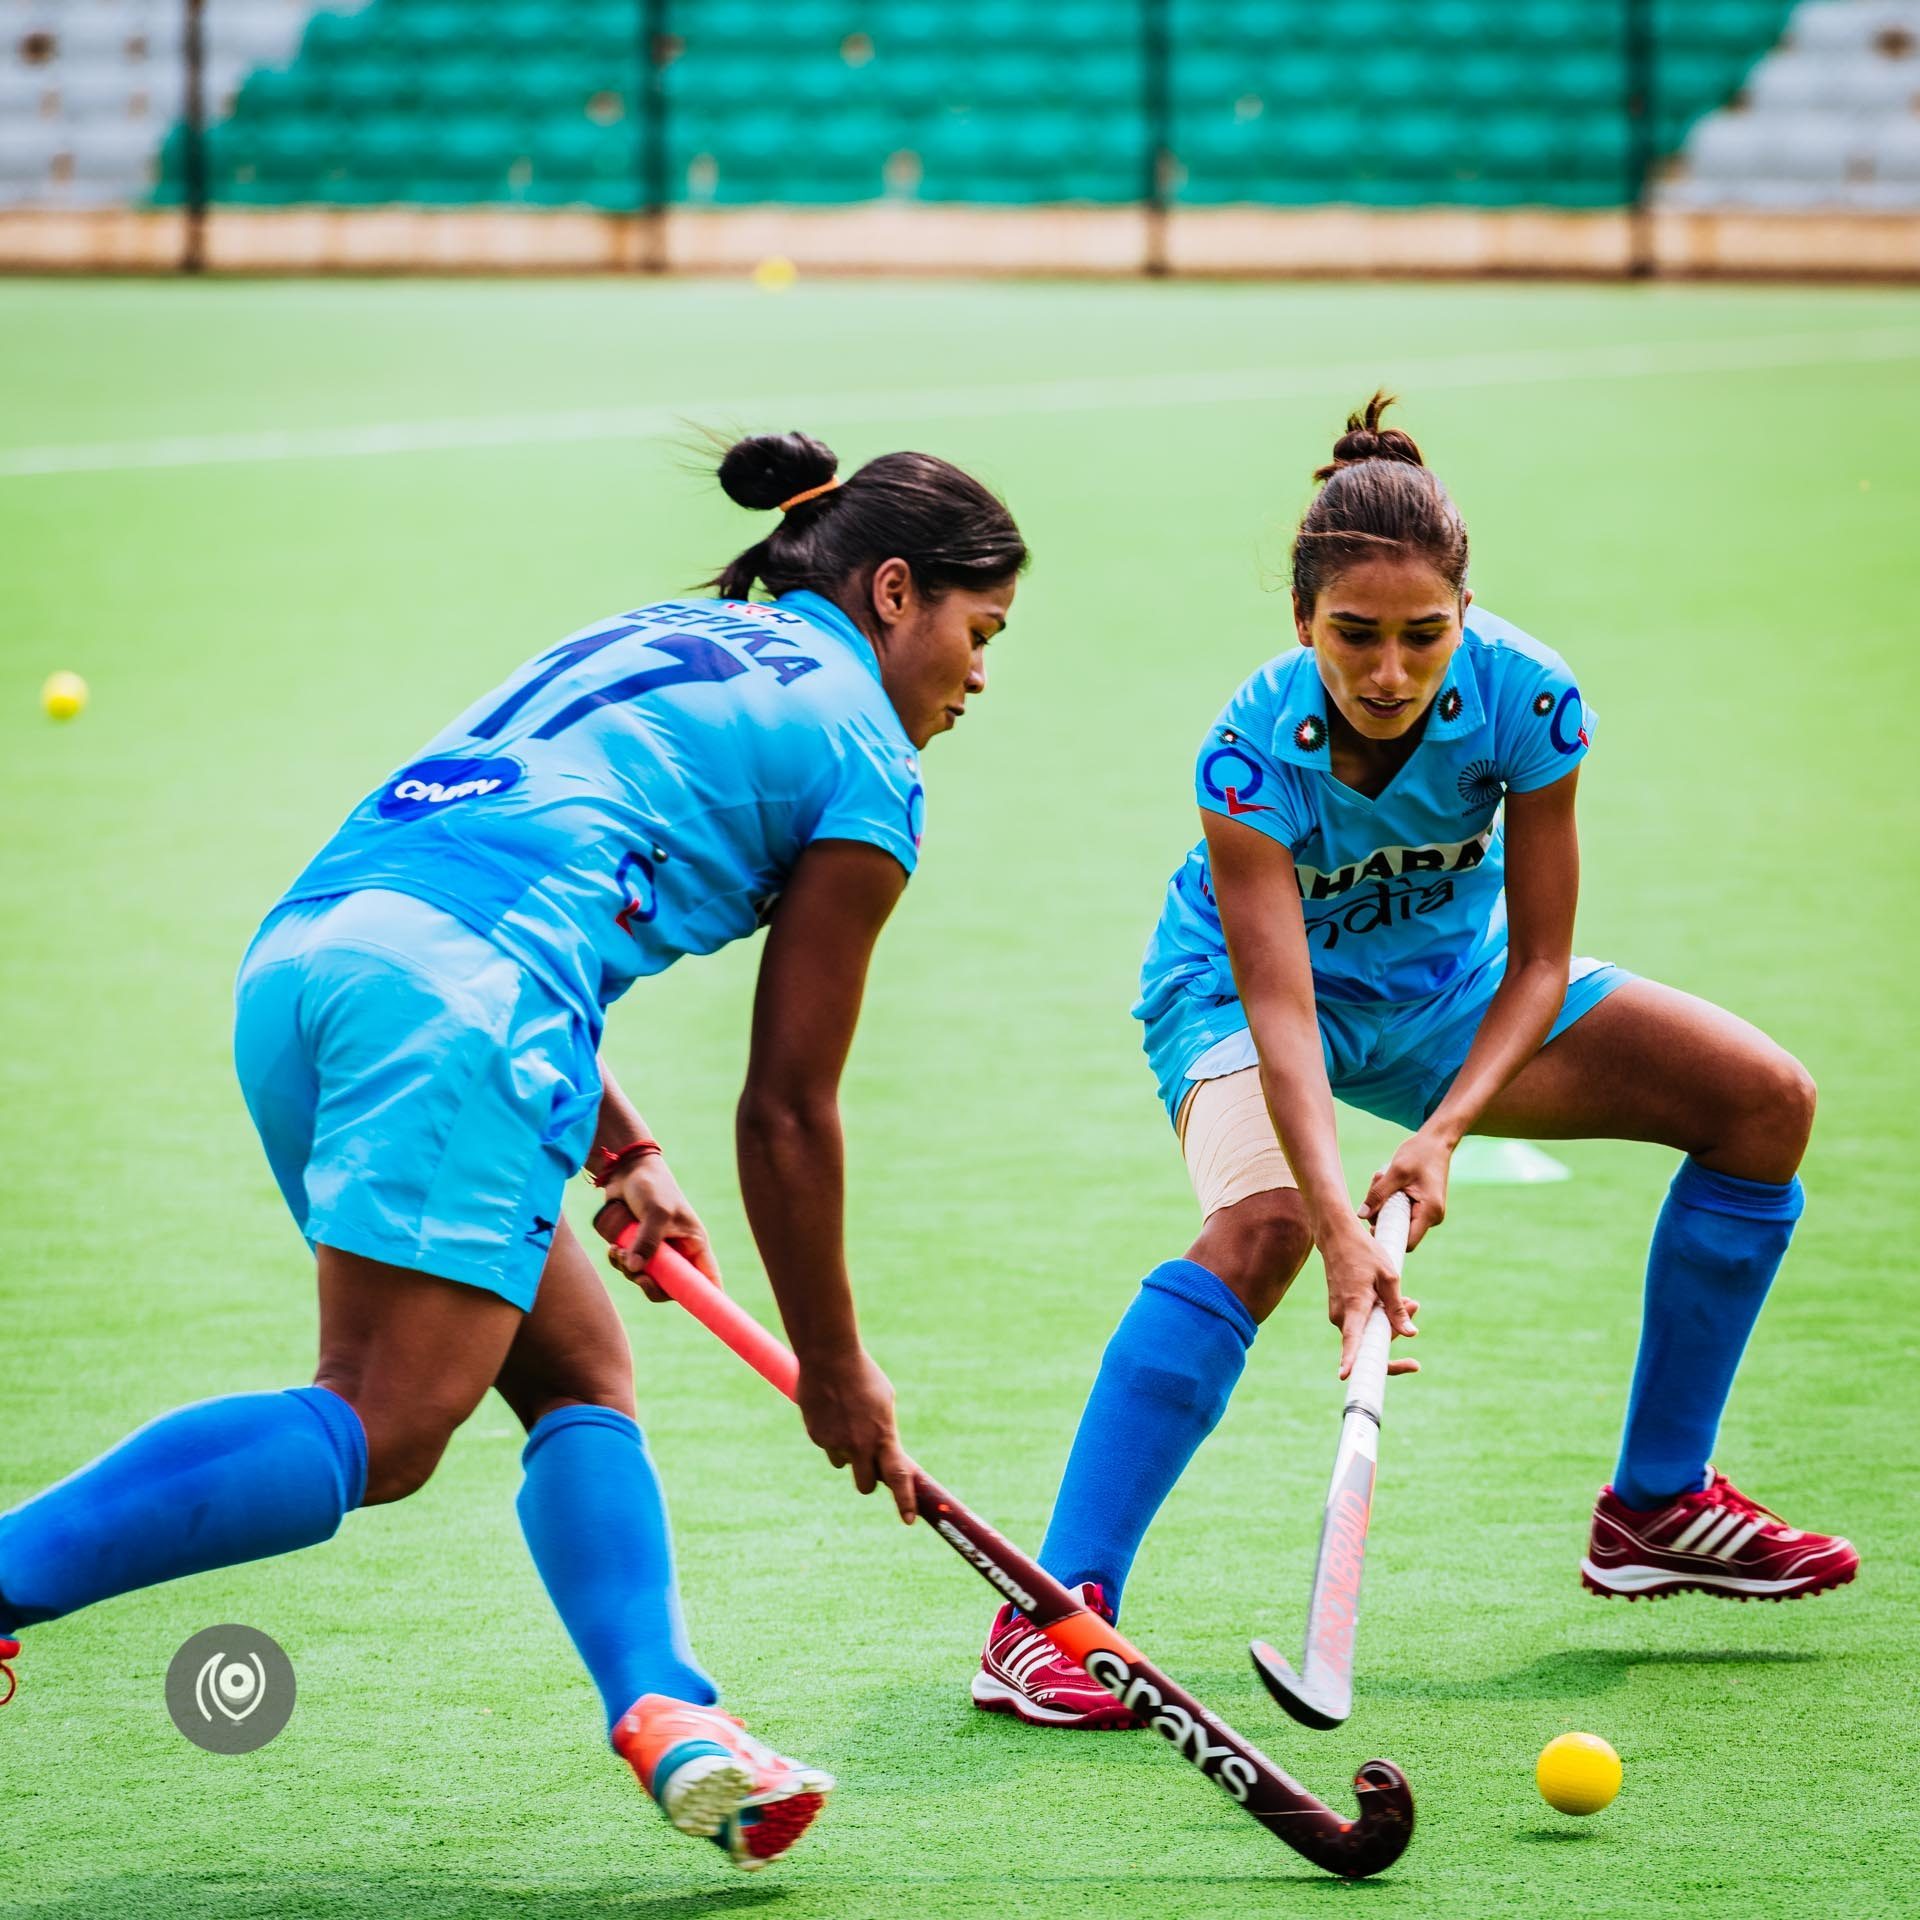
x=1352 y=1848
x=1321 y=1693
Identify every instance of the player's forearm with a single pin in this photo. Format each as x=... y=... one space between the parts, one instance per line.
x=619 y=1124
x=1293 y=1075
x=1512 y=1031
x=793 y=1183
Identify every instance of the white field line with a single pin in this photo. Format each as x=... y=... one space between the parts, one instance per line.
x=1236 y=386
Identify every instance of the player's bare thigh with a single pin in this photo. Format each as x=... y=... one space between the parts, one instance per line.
x=1254 y=1233
x=572 y=1348
x=412 y=1354
x=1652 y=1063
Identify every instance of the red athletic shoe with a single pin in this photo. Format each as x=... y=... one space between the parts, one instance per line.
x=9 y=1649
x=713 y=1779
x=1023 y=1673
x=1714 y=1541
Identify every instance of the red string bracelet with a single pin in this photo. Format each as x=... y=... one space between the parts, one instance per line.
x=612 y=1159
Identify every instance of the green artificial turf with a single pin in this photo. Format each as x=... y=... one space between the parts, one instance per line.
x=1717 y=531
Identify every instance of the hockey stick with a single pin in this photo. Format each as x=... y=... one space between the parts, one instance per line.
x=1321 y=1693
x=1353 y=1848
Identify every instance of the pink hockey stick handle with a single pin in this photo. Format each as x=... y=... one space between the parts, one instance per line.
x=722 y=1316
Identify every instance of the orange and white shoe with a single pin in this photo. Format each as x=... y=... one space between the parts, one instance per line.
x=714 y=1780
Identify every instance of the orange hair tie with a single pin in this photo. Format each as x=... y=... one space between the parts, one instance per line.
x=812 y=493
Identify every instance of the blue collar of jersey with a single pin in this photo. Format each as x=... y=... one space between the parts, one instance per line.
x=825 y=615
x=1300 y=731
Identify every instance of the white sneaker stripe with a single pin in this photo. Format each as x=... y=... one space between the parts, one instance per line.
x=1031 y=1657
x=1724 y=1524
x=1729 y=1547
x=1709 y=1542
x=1013 y=1664
x=1703 y=1523
x=1725 y=1540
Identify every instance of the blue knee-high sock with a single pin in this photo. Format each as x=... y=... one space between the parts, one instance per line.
x=1718 y=1243
x=1164 y=1382
x=205 y=1486
x=596 y=1523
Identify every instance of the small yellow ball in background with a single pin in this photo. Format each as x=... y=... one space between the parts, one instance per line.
x=775 y=274
x=1578 y=1773
x=63 y=695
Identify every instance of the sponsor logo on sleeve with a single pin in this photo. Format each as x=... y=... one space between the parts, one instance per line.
x=430 y=786
x=1566 y=717
x=1230 y=775
x=633 y=880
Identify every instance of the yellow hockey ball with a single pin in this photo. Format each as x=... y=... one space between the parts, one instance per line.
x=775 y=274
x=1578 y=1773
x=63 y=695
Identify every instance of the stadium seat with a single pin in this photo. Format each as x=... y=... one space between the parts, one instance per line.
x=1818 y=147
x=1815 y=79
x=1850 y=26
x=26 y=154
x=1730 y=147
x=23 y=91
x=1896 y=156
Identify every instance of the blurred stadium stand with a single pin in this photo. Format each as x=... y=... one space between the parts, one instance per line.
x=1829 y=119
x=1182 y=113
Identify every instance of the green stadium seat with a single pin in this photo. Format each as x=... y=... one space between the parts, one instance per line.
x=290 y=158
x=456 y=86
x=1594 y=149
x=1457 y=25
x=373 y=84
x=1514 y=148
x=1417 y=144
x=426 y=28
x=1320 y=142
x=477 y=147
x=1593 y=79
x=388 y=151
x=1402 y=78
x=1555 y=26
x=1495 y=77
x=556 y=85
x=895 y=29
x=332 y=37
x=272 y=91
x=1742 y=27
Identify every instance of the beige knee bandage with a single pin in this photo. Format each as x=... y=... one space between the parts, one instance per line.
x=1227 y=1136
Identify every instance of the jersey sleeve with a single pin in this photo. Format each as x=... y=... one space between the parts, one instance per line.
x=1545 y=726
x=876 y=796
x=1237 y=776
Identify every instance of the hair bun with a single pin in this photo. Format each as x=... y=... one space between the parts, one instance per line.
x=767 y=468
x=1366 y=439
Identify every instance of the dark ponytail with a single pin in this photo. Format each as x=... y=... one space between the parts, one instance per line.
x=1376 y=496
x=943 y=523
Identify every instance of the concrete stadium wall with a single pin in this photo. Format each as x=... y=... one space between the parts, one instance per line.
x=1044 y=241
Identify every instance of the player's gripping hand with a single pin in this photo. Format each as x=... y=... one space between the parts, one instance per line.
x=646 y=1192
x=1419 y=1170
x=847 y=1404
x=1359 y=1274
